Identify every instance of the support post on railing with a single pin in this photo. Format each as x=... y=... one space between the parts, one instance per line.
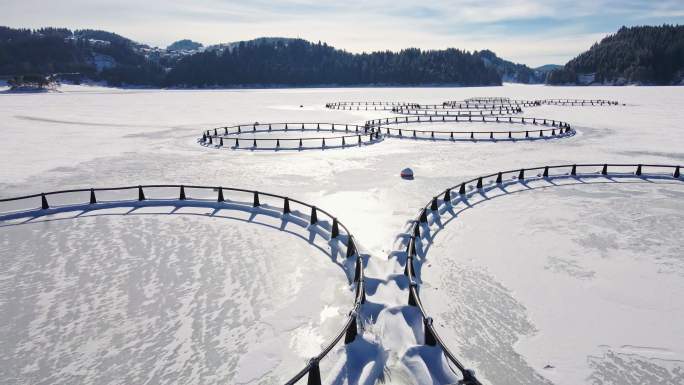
x=141 y=194
x=479 y=183
x=352 y=331
x=314 y=377
x=43 y=202
x=574 y=170
x=182 y=193
x=210 y=142
x=237 y=142
x=220 y=195
x=521 y=174
x=92 y=197
x=423 y=216
x=676 y=173
x=335 y=229
x=447 y=196
x=314 y=216
x=300 y=143
x=286 y=206
x=546 y=172
x=430 y=339
x=277 y=143
x=469 y=378
x=221 y=142
x=462 y=189
x=256 y=203
x=412 y=300
x=254 y=143
x=527 y=134
x=604 y=170
x=357 y=269
x=433 y=205
x=499 y=178
x=351 y=248
x=638 y=170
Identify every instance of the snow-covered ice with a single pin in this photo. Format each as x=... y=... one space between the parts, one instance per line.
x=590 y=285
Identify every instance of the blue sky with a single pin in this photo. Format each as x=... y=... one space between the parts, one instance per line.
x=532 y=32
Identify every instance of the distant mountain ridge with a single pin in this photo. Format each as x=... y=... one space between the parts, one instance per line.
x=512 y=72
x=636 y=55
x=184 y=45
x=546 y=68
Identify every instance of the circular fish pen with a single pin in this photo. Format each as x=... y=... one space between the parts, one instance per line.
x=540 y=128
x=315 y=225
x=290 y=136
x=446 y=206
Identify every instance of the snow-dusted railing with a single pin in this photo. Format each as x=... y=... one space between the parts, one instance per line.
x=558 y=129
x=580 y=102
x=513 y=105
x=392 y=106
x=43 y=208
x=350 y=135
x=484 y=99
x=467 y=119
x=368 y=106
x=459 y=192
x=510 y=135
x=489 y=103
x=450 y=111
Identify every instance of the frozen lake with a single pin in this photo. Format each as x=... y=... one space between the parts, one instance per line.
x=591 y=286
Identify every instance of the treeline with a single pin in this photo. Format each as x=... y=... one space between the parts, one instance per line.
x=636 y=55
x=57 y=50
x=259 y=62
x=299 y=62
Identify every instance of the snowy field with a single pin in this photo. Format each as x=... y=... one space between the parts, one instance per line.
x=579 y=283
